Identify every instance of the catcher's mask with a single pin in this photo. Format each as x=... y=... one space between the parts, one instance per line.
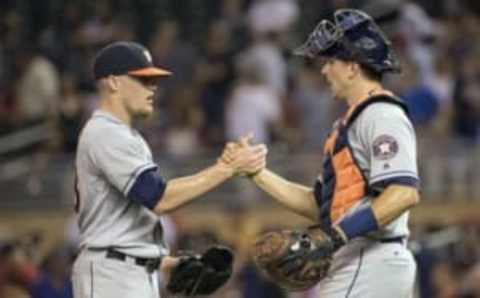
x=353 y=36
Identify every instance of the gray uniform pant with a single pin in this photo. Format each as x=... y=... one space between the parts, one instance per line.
x=367 y=268
x=95 y=276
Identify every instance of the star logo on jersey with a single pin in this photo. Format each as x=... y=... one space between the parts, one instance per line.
x=385 y=147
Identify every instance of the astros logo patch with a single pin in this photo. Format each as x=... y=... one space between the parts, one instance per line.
x=385 y=147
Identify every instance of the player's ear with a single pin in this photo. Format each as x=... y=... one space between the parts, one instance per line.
x=354 y=70
x=107 y=85
x=112 y=83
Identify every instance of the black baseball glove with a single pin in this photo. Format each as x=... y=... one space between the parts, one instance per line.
x=202 y=275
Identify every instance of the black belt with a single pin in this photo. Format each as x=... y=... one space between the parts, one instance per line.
x=393 y=240
x=151 y=264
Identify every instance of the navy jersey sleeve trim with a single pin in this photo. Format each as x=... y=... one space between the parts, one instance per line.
x=393 y=175
x=137 y=172
x=148 y=188
x=399 y=180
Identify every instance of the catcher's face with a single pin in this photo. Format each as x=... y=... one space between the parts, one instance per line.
x=137 y=94
x=338 y=75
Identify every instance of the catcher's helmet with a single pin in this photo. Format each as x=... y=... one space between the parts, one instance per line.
x=352 y=36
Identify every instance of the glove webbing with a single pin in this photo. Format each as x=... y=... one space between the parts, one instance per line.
x=197 y=283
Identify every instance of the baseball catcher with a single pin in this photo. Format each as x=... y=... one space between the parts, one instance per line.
x=202 y=274
x=369 y=179
x=297 y=260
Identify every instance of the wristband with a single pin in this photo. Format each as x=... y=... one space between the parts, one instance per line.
x=359 y=223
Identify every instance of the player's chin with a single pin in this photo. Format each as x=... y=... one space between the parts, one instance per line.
x=332 y=89
x=145 y=112
x=336 y=94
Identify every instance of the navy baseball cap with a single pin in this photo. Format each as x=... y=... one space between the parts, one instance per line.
x=125 y=58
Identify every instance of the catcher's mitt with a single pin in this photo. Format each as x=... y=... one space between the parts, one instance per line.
x=202 y=275
x=296 y=260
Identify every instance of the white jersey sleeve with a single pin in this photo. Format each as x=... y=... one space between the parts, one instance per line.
x=388 y=137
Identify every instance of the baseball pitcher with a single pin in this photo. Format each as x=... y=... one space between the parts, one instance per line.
x=120 y=191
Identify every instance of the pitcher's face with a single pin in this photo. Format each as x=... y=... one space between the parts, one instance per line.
x=137 y=93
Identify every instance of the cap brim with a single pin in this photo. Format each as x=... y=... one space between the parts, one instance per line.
x=150 y=72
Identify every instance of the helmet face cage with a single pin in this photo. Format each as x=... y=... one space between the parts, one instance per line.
x=353 y=36
x=324 y=36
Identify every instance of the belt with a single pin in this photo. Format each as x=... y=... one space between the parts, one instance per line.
x=392 y=240
x=151 y=264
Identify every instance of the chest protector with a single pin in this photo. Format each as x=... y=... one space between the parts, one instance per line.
x=344 y=184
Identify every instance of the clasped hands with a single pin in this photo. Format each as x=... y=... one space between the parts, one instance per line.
x=243 y=158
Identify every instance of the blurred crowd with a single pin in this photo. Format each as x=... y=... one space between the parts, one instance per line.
x=234 y=73
x=233 y=68
x=25 y=272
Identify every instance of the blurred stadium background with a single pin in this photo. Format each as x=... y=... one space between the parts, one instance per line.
x=233 y=73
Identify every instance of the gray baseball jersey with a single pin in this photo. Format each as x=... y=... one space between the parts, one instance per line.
x=110 y=156
x=383 y=142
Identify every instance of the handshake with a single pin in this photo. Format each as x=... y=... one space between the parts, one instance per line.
x=243 y=158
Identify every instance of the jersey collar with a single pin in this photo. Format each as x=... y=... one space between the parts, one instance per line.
x=107 y=115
